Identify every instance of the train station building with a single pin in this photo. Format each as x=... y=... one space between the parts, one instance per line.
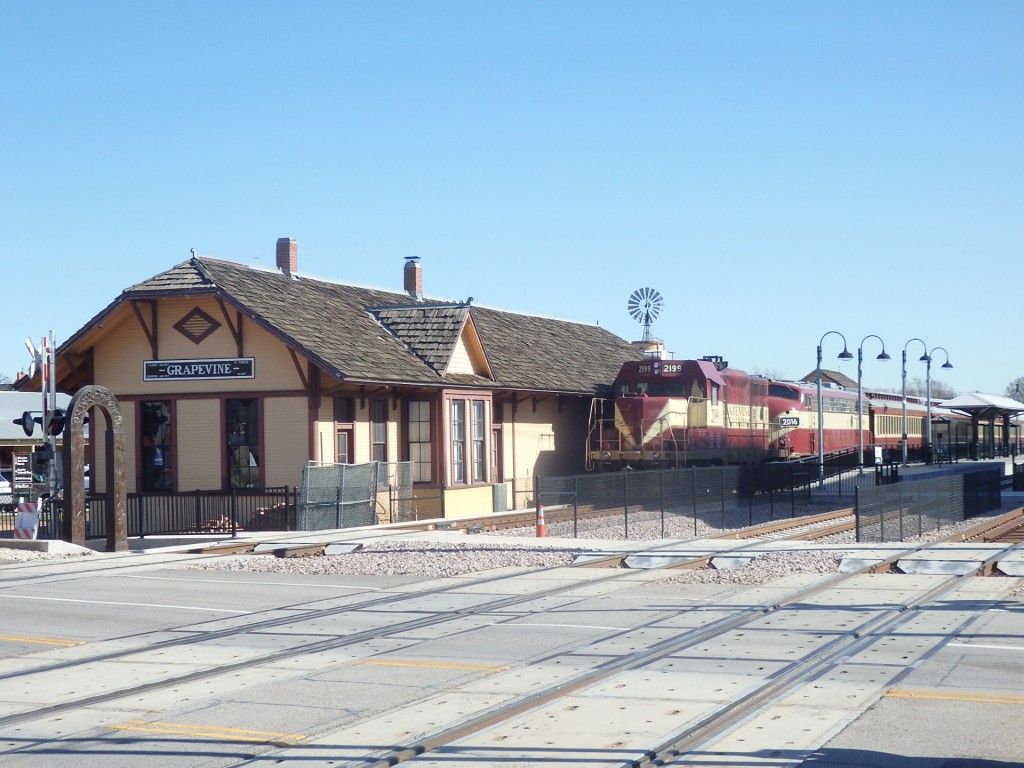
x=234 y=376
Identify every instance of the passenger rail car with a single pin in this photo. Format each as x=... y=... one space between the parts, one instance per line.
x=793 y=409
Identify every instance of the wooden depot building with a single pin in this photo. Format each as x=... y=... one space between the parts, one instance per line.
x=233 y=376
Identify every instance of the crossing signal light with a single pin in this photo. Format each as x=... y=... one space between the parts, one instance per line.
x=56 y=423
x=27 y=422
x=54 y=427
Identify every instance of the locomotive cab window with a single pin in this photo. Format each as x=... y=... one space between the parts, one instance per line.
x=674 y=388
x=776 y=390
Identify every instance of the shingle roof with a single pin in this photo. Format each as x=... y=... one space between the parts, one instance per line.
x=430 y=332
x=839 y=378
x=337 y=326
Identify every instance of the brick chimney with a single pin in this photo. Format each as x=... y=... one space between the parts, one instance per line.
x=287 y=255
x=414 y=277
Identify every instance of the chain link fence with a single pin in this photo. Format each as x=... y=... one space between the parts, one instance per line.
x=337 y=496
x=353 y=495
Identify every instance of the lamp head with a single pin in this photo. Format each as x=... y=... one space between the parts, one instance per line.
x=845 y=354
x=925 y=359
x=883 y=356
x=947 y=364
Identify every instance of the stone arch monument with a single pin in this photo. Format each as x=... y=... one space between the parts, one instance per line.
x=116 y=508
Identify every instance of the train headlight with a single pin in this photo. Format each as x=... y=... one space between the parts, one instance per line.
x=606 y=455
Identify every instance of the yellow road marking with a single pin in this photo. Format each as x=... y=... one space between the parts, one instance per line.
x=41 y=640
x=208 y=731
x=434 y=665
x=939 y=696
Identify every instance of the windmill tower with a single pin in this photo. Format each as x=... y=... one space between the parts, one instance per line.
x=644 y=306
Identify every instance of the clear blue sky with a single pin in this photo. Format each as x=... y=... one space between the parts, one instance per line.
x=775 y=170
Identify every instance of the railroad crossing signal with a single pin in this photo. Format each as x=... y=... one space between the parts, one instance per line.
x=51 y=418
x=54 y=425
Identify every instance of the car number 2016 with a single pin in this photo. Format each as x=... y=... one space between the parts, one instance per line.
x=789 y=421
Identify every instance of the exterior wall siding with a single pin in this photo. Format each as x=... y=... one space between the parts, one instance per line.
x=361 y=435
x=118 y=361
x=285 y=440
x=460 y=361
x=200 y=445
x=542 y=442
x=469 y=502
x=326 y=449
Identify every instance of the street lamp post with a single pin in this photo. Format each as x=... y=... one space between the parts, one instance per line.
x=860 y=395
x=844 y=355
x=928 y=395
x=923 y=358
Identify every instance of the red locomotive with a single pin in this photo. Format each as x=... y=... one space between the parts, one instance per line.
x=672 y=413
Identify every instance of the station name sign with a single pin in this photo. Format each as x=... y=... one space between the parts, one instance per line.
x=192 y=370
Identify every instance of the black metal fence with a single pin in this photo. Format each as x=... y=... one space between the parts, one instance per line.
x=195 y=512
x=925 y=504
x=670 y=501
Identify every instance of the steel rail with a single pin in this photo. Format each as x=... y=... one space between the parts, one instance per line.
x=805 y=669
x=274 y=656
x=781 y=683
x=659 y=650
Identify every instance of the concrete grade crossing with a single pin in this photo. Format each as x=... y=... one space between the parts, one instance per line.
x=942 y=690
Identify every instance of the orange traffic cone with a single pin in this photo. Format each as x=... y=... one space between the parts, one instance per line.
x=541 y=530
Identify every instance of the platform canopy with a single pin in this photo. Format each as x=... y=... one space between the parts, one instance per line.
x=984 y=407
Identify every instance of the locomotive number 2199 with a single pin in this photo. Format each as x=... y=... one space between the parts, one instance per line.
x=667 y=368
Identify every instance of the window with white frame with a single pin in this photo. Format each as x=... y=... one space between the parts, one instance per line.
x=479 y=455
x=458 y=411
x=469 y=429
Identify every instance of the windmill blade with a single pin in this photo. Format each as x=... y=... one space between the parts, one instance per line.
x=645 y=303
x=644 y=306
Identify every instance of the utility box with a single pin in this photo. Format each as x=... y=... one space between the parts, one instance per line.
x=501 y=494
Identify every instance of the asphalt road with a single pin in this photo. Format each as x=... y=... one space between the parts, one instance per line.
x=322 y=666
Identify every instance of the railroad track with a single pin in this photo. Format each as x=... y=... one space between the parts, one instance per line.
x=91 y=671
x=475 y=736
x=1004 y=529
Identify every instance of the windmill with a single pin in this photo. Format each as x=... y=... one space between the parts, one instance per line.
x=644 y=306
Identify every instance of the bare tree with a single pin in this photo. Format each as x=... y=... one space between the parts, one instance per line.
x=1015 y=390
x=770 y=373
x=918 y=387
